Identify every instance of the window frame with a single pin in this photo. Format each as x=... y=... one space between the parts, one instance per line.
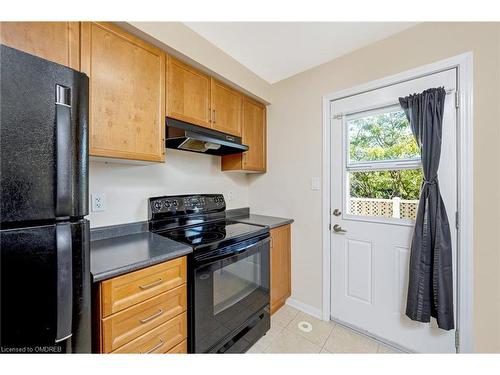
x=370 y=166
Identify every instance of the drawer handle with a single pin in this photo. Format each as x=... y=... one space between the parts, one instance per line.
x=145 y=320
x=154 y=347
x=154 y=283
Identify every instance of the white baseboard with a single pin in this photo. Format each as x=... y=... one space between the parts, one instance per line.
x=308 y=309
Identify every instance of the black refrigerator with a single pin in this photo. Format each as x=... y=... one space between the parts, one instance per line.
x=44 y=237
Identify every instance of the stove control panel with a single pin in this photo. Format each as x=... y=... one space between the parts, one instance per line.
x=185 y=204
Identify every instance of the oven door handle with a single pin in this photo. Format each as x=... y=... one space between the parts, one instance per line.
x=223 y=254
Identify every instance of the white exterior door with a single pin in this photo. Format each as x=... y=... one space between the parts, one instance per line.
x=370 y=249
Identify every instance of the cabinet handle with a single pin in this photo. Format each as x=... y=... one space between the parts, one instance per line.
x=214 y=115
x=149 y=318
x=209 y=114
x=154 y=347
x=154 y=283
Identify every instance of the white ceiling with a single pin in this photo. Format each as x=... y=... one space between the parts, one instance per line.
x=278 y=50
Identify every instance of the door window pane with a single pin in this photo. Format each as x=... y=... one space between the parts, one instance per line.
x=380 y=137
x=235 y=281
x=384 y=193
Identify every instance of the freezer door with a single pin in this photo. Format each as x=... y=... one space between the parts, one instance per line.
x=45 y=289
x=43 y=139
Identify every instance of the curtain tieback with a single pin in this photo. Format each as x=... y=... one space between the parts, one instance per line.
x=432 y=181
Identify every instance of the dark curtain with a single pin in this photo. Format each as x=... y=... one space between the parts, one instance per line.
x=430 y=289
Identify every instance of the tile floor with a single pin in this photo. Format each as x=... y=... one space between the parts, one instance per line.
x=316 y=336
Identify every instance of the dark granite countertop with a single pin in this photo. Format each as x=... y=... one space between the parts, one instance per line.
x=119 y=249
x=114 y=256
x=244 y=216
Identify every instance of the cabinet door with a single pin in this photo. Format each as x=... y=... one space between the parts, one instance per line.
x=188 y=93
x=254 y=135
x=280 y=266
x=127 y=93
x=55 y=41
x=227 y=108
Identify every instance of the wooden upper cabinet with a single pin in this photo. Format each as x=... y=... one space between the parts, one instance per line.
x=55 y=41
x=188 y=93
x=227 y=108
x=127 y=93
x=254 y=136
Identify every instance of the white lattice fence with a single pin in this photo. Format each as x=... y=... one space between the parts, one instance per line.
x=396 y=207
x=408 y=209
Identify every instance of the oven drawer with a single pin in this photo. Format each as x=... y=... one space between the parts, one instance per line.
x=127 y=290
x=126 y=325
x=159 y=340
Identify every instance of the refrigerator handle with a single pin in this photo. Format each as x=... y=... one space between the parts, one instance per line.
x=64 y=282
x=63 y=151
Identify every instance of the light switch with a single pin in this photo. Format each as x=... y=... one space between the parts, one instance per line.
x=315 y=183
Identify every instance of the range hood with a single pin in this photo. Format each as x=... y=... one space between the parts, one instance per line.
x=184 y=136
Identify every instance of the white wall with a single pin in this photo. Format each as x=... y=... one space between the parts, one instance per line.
x=127 y=187
x=295 y=144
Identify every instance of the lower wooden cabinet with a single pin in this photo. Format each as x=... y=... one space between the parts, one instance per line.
x=162 y=339
x=154 y=317
x=132 y=288
x=122 y=327
x=281 y=285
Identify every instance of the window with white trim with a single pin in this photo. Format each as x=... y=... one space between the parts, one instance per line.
x=383 y=173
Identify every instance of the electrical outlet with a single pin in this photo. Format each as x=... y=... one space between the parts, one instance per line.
x=98 y=202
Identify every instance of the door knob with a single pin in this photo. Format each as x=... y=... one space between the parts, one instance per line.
x=337 y=212
x=338 y=229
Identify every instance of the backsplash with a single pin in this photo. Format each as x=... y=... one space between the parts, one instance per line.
x=127 y=187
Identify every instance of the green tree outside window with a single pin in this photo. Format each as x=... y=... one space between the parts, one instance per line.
x=385 y=136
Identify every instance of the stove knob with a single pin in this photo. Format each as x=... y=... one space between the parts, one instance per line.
x=166 y=204
x=175 y=203
x=157 y=205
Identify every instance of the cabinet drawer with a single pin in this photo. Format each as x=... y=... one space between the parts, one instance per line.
x=127 y=290
x=126 y=325
x=159 y=340
x=179 y=349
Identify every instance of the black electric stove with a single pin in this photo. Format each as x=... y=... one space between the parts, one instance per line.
x=213 y=234
x=228 y=271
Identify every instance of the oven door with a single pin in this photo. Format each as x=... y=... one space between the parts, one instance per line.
x=230 y=286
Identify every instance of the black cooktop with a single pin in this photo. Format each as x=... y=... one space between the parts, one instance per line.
x=213 y=233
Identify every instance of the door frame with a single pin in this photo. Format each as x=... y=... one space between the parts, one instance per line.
x=465 y=242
